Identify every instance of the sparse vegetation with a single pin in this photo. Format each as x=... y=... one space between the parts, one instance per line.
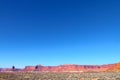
x=60 y=76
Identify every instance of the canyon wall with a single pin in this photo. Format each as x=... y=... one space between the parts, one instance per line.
x=68 y=68
x=116 y=67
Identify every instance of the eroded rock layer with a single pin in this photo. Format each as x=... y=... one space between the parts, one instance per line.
x=68 y=68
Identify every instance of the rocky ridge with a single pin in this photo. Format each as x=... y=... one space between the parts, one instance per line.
x=68 y=68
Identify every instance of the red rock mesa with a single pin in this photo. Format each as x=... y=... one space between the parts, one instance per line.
x=68 y=68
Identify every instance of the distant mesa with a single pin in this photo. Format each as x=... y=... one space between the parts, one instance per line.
x=67 y=68
x=29 y=68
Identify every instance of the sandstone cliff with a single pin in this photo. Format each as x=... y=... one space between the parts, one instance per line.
x=69 y=68
x=116 y=67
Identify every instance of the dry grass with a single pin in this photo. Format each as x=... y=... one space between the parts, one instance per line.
x=60 y=76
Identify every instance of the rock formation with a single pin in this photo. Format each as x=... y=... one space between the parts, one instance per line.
x=68 y=68
x=116 y=67
x=29 y=68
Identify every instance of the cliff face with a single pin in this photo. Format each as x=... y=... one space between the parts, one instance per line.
x=69 y=68
x=29 y=68
x=116 y=67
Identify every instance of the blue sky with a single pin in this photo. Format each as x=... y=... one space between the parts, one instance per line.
x=54 y=32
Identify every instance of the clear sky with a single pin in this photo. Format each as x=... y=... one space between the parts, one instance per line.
x=53 y=32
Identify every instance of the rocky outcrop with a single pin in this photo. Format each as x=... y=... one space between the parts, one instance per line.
x=29 y=68
x=116 y=67
x=69 y=68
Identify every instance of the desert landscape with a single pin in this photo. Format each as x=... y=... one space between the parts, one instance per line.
x=59 y=39
x=60 y=76
x=63 y=72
